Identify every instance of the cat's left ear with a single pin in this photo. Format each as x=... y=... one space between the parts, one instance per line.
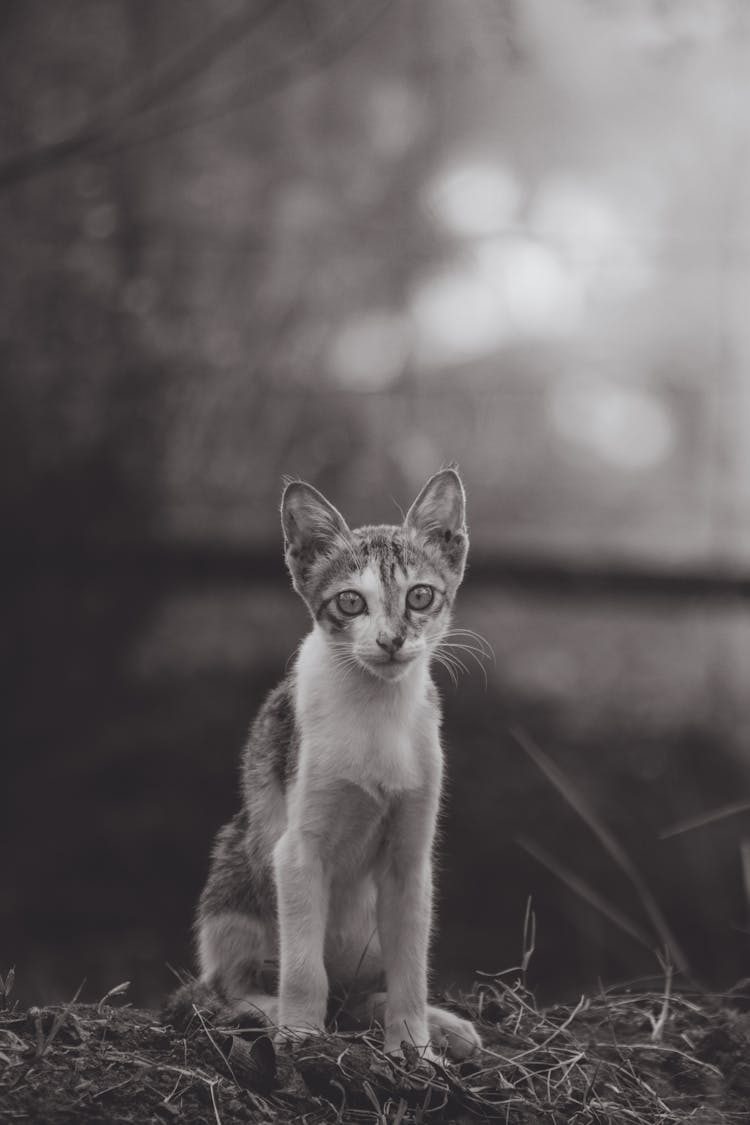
x=438 y=515
x=313 y=528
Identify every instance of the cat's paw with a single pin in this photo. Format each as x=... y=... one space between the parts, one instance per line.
x=409 y=1039
x=408 y=1053
x=452 y=1033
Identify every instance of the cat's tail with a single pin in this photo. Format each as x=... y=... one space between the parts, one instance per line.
x=192 y=999
x=199 y=1000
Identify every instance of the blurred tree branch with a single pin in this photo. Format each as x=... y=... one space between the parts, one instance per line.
x=325 y=49
x=170 y=75
x=152 y=93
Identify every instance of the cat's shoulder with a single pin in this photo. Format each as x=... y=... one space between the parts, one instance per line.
x=277 y=709
x=273 y=742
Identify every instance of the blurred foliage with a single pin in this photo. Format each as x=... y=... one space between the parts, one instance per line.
x=353 y=242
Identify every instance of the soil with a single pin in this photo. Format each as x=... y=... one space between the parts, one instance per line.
x=628 y=1055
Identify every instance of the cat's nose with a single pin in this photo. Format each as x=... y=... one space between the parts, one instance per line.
x=390 y=645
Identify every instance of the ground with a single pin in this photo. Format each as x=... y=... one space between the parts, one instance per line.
x=635 y=1055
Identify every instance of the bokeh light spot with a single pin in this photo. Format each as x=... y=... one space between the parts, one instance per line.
x=627 y=427
x=541 y=295
x=457 y=316
x=474 y=199
x=591 y=235
x=370 y=351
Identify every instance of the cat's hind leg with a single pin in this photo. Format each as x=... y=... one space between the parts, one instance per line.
x=236 y=927
x=232 y=950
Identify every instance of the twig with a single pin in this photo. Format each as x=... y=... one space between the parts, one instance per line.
x=117 y=1086
x=58 y=1022
x=558 y=1031
x=211 y=1087
x=668 y=1050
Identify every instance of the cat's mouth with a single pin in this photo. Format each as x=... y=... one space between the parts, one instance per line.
x=388 y=667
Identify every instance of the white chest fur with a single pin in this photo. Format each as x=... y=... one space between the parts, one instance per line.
x=380 y=736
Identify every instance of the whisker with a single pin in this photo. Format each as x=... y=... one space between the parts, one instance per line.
x=450 y=658
x=465 y=637
x=463 y=647
x=453 y=659
x=473 y=635
x=474 y=653
x=342 y=659
x=478 y=653
x=448 y=667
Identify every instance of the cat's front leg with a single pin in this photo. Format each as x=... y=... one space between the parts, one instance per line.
x=404 y=911
x=404 y=922
x=303 y=895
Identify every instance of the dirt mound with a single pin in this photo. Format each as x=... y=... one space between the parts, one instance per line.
x=627 y=1055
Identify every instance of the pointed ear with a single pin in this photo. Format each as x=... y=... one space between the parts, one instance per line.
x=440 y=506
x=312 y=528
x=438 y=515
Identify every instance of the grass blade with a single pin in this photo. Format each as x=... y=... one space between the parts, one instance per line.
x=583 y=889
x=610 y=844
x=702 y=819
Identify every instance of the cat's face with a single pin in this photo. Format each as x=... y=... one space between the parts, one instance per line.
x=382 y=595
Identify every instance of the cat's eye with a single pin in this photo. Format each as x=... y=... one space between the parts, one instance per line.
x=420 y=597
x=351 y=603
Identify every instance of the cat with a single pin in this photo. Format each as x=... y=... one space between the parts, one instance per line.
x=328 y=865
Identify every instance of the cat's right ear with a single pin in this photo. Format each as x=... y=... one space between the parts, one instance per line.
x=312 y=528
x=438 y=515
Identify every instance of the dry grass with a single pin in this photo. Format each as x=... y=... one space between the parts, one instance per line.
x=628 y=1056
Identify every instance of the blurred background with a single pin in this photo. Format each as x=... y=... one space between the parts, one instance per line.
x=352 y=242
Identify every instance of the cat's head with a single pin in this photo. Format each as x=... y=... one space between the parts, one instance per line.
x=383 y=594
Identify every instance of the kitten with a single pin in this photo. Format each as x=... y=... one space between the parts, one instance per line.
x=329 y=863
